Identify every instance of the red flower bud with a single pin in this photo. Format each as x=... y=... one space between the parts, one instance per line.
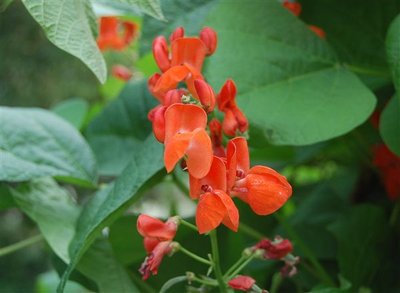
x=173 y=97
x=130 y=31
x=205 y=94
x=276 y=249
x=226 y=97
x=209 y=38
x=151 y=83
x=121 y=72
x=160 y=53
x=242 y=283
x=318 y=31
x=293 y=7
x=179 y=32
x=156 y=116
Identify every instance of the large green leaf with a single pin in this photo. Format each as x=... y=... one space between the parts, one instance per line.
x=36 y=143
x=73 y=110
x=109 y=202
x=362 y=236
x=68 y=25
x=389 y=125
x=121 y=128
x=56 y=214
x=289 y=81
x=189 y=14
x=393 y=51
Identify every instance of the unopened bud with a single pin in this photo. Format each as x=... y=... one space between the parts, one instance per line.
x=160 y=53
x=173 y=96
x=179 y=32
x=205 y=94
x=226 y=96
x=209 y=38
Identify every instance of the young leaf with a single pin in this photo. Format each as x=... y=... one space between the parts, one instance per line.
x=109 y=202
x=36 y=143
x=289 y=81
x=68 y=25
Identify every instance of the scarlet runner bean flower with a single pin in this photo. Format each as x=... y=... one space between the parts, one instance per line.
x=157 y=241
x=121 y=72
x=115 y=34
x=242 y=283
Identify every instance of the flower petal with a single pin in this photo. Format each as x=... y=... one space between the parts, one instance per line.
x=169 y=79
x=188 y=50
x=210 y=212
x=151 y=227
x=199 y=154
x=267 y=190
x=231 y=219
x=242 y=283
x=175 y=149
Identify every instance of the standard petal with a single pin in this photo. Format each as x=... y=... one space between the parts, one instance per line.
x=151 y=227
x=188 y=50
x=175 y=149
x=169 y=79
x=231 y=219
x=210 y=212
x=199 y=154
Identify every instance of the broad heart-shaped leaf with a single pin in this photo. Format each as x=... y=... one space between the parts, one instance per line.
x=393 y=51
x=121 y=128
x=68 y=25
x=54 y=211
x=189 y=14
x=363 y=243
x=36 y=143
x=135 y=7
x=389 y=126
x=106 y=205
x=289 y=82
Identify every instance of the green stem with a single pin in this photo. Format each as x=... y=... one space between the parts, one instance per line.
x=323 y=275
x=20 y=245
x=235 y=265
x=250 y=231
x=187 y=224
x=215 y=257
x=210 y=282
x=276 y=282
x=242 y=266
x=367 y=71
x=171 y=282
x=194 y=256
x=395 y=213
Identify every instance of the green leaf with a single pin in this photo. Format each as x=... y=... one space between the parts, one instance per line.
x=73 y=110
x=121 y=128
x=389 y=125
x=189 y=14
x=47 y=283
x=36 y=143
x=393 y=51
x=111 y=201
x=289 y=81
x=362 y=236
x=6 y=198
x=69 y=25
x=136 y=7
x=53 y=209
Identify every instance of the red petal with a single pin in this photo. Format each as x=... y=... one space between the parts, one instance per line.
x=170 y=79
x=175 y=149
x=209 y=38
x=151 y=227
x=160 y=53
x=216 y=179
x=267 y=190
x=210 y=212
x=199 y=154
x=226 y=96
x=231 y=219
x=188 y=50
x=293 y=7
x=318 y=31
x=149 y=243
x=179 y=32
x=229 y=124
x=243 y=283
x=180 y=118
x=205 y=94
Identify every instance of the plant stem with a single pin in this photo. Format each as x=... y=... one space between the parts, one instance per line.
x=210 y=282
x=276 y=282
x=323 y=275
x=216 y=265
x=235 y=265
x=187 y=224
x=20 y=245
x=242 y=266
x=194 y=256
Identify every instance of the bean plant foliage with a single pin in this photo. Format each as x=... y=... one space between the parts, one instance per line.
x=234 y=146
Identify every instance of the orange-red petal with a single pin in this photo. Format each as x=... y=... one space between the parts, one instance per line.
x=151 y=227
x=188 y=50
x=169 y=79
x=199 y=154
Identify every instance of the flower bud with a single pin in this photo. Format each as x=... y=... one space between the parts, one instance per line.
x=318 y=31
x=121 y=72
x=209 y=38
x=160 y=53
x=242 y=283
x=156 y=116
x=293 y=7
x=226 y=97
x=205 y=94
x=173 y=96
x=179 y=32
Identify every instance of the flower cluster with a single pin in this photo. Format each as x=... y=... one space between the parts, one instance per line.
x=216 y=172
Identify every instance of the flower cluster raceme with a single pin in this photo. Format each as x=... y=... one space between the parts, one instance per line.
x=217 y=171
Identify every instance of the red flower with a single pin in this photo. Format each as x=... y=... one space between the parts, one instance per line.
x=185 y=135
x=216 y=137
x=292 y=6
x=318 y=31
x=242 y=283
x=110 y=36
x=234 y=118
x=389 y=166
x=157 y=241
x=264 y=189
x=121 y=72
x=276 y=249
